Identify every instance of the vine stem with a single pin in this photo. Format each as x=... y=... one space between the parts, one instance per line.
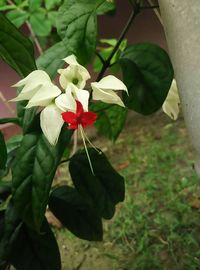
x=106 y=63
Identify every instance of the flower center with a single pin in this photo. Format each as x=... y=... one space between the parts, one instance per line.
x=75 y=81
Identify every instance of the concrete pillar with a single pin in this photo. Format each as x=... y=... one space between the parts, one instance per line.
x=181 y=19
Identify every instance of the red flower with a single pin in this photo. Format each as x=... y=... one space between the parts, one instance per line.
x=79 y=118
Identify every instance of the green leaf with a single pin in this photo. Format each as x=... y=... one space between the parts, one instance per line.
x=12 y=145
x=75 y=213
x=6 y=7
x=35 y=251
x=40 y=24
x=110 y=120
x=25 y=248
x=5 y=190
x=9 y=120
x=18 y=52
x=3 y=151
x=77 y=26
x=34 y=5
x=102 y=190
x=15 y=49
x=51 y=59
x=50 y=4
x=33 y=172
x=2 y=214
x=148 y=73
x=10 y=230
x=52 y=16
x=17 y=17
x=105 y=7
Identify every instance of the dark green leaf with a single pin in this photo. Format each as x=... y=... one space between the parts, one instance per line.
x=3 y=152
x=148 y=74
x=35 y=251
x=75 y=213
x=12 y=145
x=18 y=52
x=2 y=215
x=51 y=60
x=25 y=248
x=110 y=120
x=17 y=17
x=9 y=120
x=102 y=190
x=11 y=228
x=15 y=49
x=5 y=190
x=40 y=24
x=36 y=164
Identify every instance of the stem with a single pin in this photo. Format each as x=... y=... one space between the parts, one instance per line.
x=39 y=48
x=106 y=63
x=100 y=57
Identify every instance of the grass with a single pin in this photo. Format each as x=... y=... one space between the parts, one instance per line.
x=157 y=227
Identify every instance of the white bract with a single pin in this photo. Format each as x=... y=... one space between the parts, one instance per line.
x=172 y=102
x=51 y=123
x=104 y=90
x=37 y=89
x=67 y=101
x=40 y=91
x=74 y=73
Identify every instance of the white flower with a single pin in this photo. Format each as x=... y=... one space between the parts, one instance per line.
x=74 y=73
x=51 y=123
x=104 y=90
x=38 y=89
x=67 y=102
x=172 y=102
x=51 y=120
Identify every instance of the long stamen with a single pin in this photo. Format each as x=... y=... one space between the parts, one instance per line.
x=90 y=141
x=86 y=150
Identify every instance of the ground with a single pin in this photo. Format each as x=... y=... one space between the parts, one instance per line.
x=157 y=226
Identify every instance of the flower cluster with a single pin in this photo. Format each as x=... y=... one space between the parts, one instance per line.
x=69 y=104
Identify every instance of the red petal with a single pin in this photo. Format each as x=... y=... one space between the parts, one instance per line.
x=88 y=118
x=79 y=108
x=69 y=117
x=73 y=126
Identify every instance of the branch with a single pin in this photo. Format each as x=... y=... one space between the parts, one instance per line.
x=107 y=62
x=100 y=57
